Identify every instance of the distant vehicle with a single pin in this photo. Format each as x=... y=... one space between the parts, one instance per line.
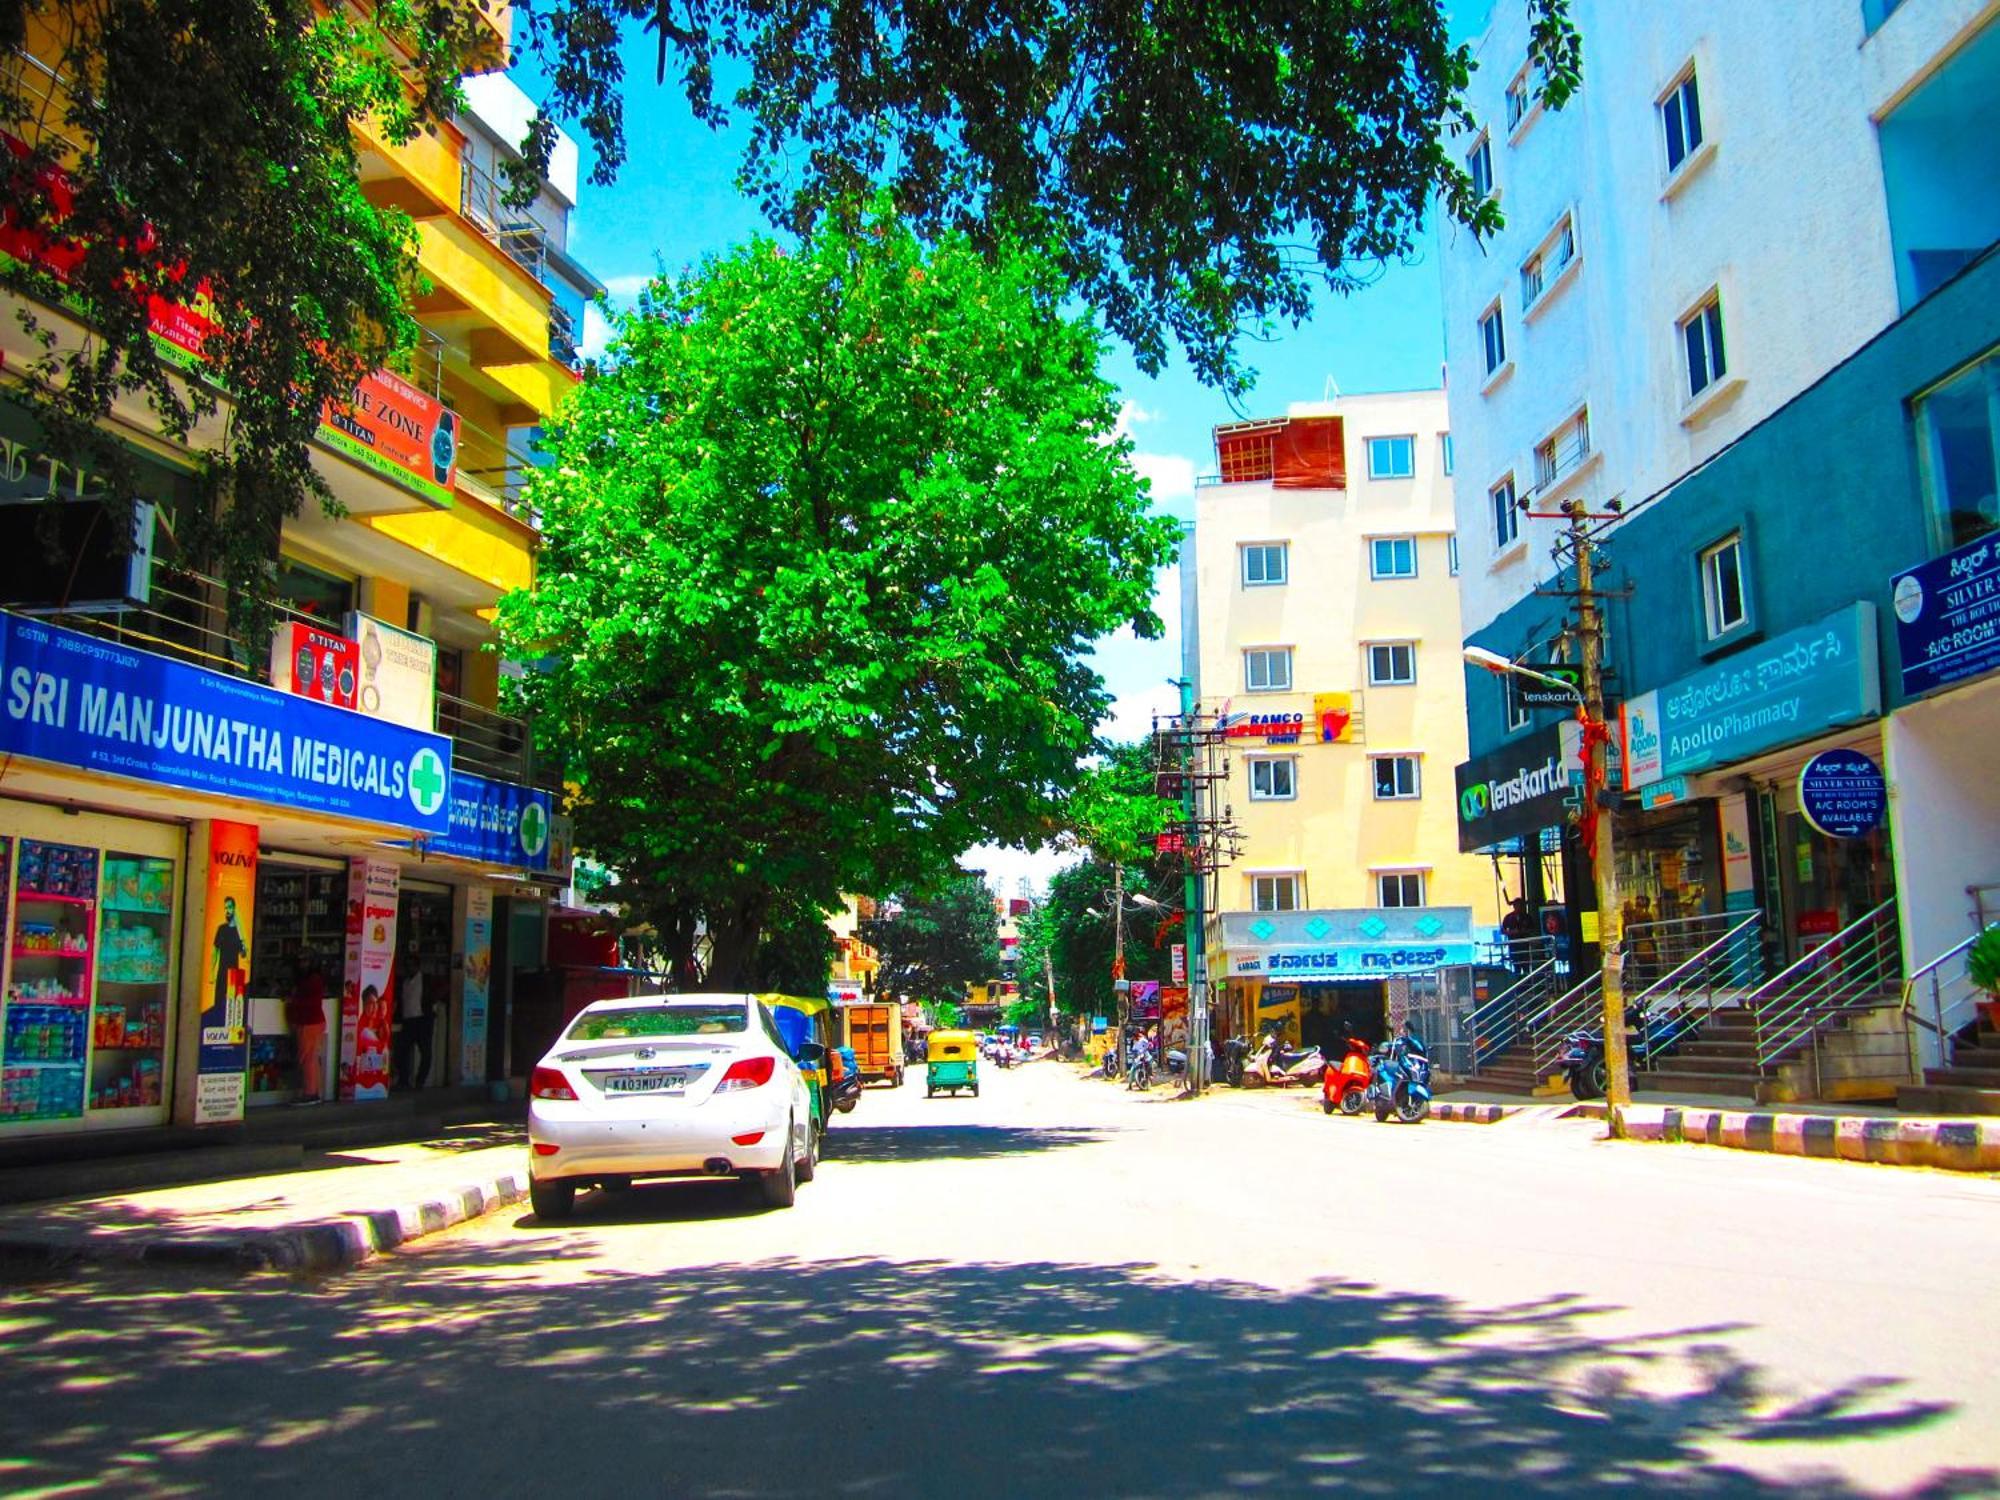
x=952 y=1064
x=668 y=1086
x=1035 y=1042
x=875 y=1032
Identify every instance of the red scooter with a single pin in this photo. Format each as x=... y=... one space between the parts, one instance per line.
x=1342 y=1088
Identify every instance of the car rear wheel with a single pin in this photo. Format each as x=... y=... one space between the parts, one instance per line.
x=809 y=1163
x=780 y=1188
x=552 y=1200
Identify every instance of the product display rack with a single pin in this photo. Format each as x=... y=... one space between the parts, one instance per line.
x=135 y=943
x=45 y=1044
x=301 y=919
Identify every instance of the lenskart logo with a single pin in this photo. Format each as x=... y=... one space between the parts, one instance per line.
x=1484 y=797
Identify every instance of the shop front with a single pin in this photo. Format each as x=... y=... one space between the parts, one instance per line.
x=1516 y=804
x=1721 y=769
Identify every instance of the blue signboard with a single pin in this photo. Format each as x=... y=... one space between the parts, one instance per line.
x=1948 y=616
x=498 y=822
x=1774 y=693
x=1843 y=794
x=79 y=701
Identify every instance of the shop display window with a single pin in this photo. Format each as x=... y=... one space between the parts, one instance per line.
x=49 y=959
x=301 y=923
x=135 y=945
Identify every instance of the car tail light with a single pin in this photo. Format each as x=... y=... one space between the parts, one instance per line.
x=748 y=1073
x=549 y=1083
x=748 y=1140
x=544 y=1148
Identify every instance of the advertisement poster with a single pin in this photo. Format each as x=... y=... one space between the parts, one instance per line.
x=398 y=672
x=366 y=998
x=80 y=701
x=1338 y=716
x=1145 y=1004
x=1173 y=1019
x=1180 y=963
x=478 y=984
x=228 y=913
x=314 y=663
x=400 y=432
x=1948 y=617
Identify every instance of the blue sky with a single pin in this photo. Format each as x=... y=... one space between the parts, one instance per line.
x=675 y=201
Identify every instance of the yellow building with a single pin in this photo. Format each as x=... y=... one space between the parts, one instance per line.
x=190 y=824
x=1324 y=630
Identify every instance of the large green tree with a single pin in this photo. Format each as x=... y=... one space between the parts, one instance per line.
x=1070 y=936
x=1195 y=170
x=933 y=946
x=826 y=544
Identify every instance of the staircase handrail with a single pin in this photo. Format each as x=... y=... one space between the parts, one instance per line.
x=1552 y=1027
x=1807 y=993
x=1936 y=1025
x=1507 y=1004
x=1701 y=957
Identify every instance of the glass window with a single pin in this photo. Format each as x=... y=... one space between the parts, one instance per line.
x=659 y=1020
x=1493 y=336
x=1393 y=557
x=306 y=590
x=1273 y=779
x=1264 y=563
x=1479 y=163
x=1444 y=452
x=1506 y=514
x=1451 y=551
x=1520 y=94
x=1959 y=428
x=1396 y=778
x=1701 y=337
x=1722 y=586
x=1404 y=888
x=1392 y=457
x=1531 y=280
x=1268 y=669
x=1392 y=664
x=1274 y=893
x=1680 y=114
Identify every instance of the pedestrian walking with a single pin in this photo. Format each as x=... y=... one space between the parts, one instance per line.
x=413 y=1035
x=305 y=1013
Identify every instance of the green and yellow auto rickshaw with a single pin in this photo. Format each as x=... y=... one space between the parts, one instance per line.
x=951 y=1063
x=806 y=1024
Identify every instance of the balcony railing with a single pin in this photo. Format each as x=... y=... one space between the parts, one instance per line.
x=185 y=620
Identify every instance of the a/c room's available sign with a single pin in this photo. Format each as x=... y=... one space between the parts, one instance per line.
x=1842 y=794
x=1948 y=616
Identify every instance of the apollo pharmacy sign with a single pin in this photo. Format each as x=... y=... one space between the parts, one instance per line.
x=78 y=701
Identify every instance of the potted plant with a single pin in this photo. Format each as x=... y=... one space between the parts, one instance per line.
x=1982 y=967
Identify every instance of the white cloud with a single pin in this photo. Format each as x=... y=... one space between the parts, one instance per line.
x=596 y=332
x=1005 y=869
x=625 y=288
x=1130 y=415
x=1172 y=476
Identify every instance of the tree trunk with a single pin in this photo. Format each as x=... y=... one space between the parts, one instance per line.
x=733 y=934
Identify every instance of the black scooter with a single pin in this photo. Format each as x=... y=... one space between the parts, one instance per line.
x=1648 y=1037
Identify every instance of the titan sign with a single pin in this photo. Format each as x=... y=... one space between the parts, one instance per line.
x=1513 y=792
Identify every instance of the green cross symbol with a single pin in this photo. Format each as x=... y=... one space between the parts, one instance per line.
x=427 y=781
x=534 y=828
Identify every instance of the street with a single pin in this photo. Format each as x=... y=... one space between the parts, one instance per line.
x=1061 y=1289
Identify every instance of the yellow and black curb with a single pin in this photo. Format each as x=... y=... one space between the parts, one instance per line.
x=1472 y=1114
x=1954 y=1145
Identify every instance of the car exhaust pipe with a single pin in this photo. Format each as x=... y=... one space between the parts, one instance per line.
x=719 y=1165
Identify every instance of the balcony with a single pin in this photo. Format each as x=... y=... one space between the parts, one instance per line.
x=184 y=620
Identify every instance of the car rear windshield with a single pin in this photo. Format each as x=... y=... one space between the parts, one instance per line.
x=659 y=1020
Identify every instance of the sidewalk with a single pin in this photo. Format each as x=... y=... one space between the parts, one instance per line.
x=335 y=1209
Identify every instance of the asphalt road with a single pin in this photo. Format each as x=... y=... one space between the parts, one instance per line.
x=1061 y=1289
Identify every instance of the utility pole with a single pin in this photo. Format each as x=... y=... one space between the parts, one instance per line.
x=1193 y=927
x=1120 y=987
x=1597 y=819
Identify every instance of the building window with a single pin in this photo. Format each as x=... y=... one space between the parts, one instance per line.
x=1563 y=451
x=1402 y=888
x=1265 y=563
x=1958 y=424
x=1549 y=262
x=1392 y=457
x=1701 y=337
x=1493 y=337
x=1451 y=551
x=1392 y=664
x=1506 y=514
x=1680 y=114
x=1392 y=557
x=1274 y=893
x=1396 y=778
x=1268 y=669
x=1722 y=586
x=1273 y=779
x=1520 y=96
x=1444 y=453
x=1479 y=163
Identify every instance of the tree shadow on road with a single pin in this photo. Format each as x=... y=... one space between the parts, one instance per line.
x=472 y=1369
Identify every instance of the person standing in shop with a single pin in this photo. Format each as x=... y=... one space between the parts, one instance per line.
x=305 y=1013
x=413 y=1036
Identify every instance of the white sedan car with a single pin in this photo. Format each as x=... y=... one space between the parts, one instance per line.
x=668 y=1086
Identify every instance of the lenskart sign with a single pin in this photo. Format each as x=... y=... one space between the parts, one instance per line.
x=1512 y=792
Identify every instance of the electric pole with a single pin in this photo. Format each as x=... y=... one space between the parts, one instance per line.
x=1193 y=927
x=1121 y=989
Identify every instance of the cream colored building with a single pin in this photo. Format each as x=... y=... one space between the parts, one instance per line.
x=1324 y=626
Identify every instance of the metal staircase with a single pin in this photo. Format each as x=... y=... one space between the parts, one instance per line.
x=1959 y=1052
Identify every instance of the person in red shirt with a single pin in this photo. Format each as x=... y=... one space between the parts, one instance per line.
x=305 y=1013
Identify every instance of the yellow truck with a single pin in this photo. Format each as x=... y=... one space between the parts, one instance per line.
x=875 y=1032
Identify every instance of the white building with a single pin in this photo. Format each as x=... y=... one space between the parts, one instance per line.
x=1693 y=240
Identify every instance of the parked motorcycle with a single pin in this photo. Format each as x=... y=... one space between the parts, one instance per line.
x=1649 y=1036
x=1345 y=1088
x=1274 y=1066
x=1402 y=1080
x=1235 y=1057
x=1140 y=1069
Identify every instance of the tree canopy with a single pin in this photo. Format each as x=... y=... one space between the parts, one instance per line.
x=1071 y=932
x=934 y=946
x=825 y=546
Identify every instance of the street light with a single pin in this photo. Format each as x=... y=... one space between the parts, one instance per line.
x=1596 y=744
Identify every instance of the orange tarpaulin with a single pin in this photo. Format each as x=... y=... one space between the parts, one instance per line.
x=1309 y=454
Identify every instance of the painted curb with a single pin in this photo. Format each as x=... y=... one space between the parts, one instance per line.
x=1953 y=1145
x=1473 y=1114
x=319 y=1245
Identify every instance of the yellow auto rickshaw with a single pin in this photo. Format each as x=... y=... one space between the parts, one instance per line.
x=951 y=1062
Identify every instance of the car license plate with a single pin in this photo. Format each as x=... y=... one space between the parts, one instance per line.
x=658 y=1081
